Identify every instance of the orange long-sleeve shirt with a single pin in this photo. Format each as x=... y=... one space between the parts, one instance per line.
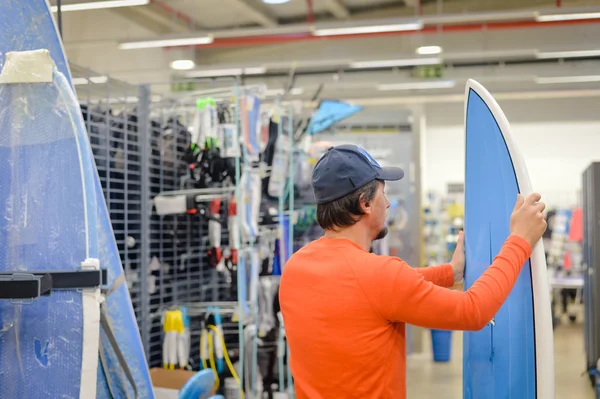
x=345 y=310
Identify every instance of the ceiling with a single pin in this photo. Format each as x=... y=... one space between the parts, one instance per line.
x=500 y=43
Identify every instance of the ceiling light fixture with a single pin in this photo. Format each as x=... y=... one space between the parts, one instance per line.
x=395 y=63
x=99 y=79
x=567 y=79
x=438 y=84
x=174 y=42
x=93 y=79
x=226 y=72
x=183 y=65
x=429 y=50
x=296 y=91
x=97 y=5
x=567 y=16
x=568 y=54
x=275 y=1
x=356 y=30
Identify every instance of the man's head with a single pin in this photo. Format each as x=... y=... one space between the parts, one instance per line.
x=349 y=190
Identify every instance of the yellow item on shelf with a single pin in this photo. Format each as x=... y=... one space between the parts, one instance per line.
x=455 y=210
x=203 y=354
x=226 y=355
x=212 y=361
x=173 y=319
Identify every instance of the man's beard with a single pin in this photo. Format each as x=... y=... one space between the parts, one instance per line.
x=381 y=234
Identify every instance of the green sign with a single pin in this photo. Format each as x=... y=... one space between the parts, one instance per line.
x=428 y=71
x=183 y=86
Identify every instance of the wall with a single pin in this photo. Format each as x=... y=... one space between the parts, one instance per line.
x=558 y=139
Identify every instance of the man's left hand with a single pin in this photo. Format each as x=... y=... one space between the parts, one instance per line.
x=458 y=259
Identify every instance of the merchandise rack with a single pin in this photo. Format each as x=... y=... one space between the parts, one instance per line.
x=126 y=126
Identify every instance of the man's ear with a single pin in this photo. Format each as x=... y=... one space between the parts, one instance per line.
x=365 y=205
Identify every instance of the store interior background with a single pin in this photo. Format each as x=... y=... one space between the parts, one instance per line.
x=545 y=76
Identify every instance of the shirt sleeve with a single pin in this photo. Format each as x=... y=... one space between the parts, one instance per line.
x=441 y=275
x=399 y=293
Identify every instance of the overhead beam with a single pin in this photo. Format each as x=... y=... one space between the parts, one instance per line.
x=156 y=18
x=337 y=9
x=256 y=11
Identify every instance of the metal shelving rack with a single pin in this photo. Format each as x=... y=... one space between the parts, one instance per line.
x=137 y=140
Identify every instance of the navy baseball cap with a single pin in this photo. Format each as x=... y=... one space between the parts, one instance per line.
x=345 y=168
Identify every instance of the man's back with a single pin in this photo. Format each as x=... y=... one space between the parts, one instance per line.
x=344 y=312
x=340 y=346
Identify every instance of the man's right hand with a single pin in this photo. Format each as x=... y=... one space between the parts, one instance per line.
x=527 y=220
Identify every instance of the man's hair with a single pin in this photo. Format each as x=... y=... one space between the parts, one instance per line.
x=345 y=211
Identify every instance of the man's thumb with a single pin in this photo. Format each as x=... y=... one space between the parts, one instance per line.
x=461 y=240
x=519 y=203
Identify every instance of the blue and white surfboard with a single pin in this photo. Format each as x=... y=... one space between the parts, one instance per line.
x=52 y=216
x=513 y=356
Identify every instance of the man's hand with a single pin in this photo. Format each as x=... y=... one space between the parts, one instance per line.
x=527 y=220
x=458 y=259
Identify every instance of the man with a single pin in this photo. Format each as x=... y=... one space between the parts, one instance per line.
x=345 y=309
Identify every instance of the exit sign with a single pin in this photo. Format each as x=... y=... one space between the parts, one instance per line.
x=177 y=87
x=428 y=71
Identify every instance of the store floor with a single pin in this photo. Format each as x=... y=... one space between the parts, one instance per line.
x=427 y=379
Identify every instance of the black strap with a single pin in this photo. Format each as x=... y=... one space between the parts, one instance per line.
x=106 y=326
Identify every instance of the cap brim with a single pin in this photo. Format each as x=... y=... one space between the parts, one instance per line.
x=390 y=173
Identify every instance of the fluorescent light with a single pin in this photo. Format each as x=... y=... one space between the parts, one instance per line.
x=255 y=70
x=568 y=54
x=395 y=63
x=183 y=65
x=97 y=5
x=429 y=50
x=296 y=91
x=567 y=17
x=227 y=72
x=175 y=42
x=355 y=30
x=567 y=79
x=275 y=1
x=93 y=79
x=438 y=84
x=99 y=79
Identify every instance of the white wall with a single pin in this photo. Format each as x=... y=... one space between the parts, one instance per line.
x=556 y=155
x=559 y=138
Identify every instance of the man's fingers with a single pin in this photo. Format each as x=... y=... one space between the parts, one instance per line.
x=540 y=206
x=519 y=202
x=533 y=198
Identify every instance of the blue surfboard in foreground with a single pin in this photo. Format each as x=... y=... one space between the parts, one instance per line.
x=512 y=357
x=28 y=25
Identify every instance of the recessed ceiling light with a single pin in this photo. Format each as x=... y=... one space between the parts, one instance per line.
x=567 y=16
x=429 y=50
x=226 y=72
x=438 y=84
x=275 y=1
x=166 y=42
x=183 y=65
x=98 y=5
x=357 y=30
x=395 y=63
x=567 y=79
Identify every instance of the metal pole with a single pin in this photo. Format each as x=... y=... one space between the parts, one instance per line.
x=59 y=15
x=290 y=227
x=144 y=134
x=238 y=199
